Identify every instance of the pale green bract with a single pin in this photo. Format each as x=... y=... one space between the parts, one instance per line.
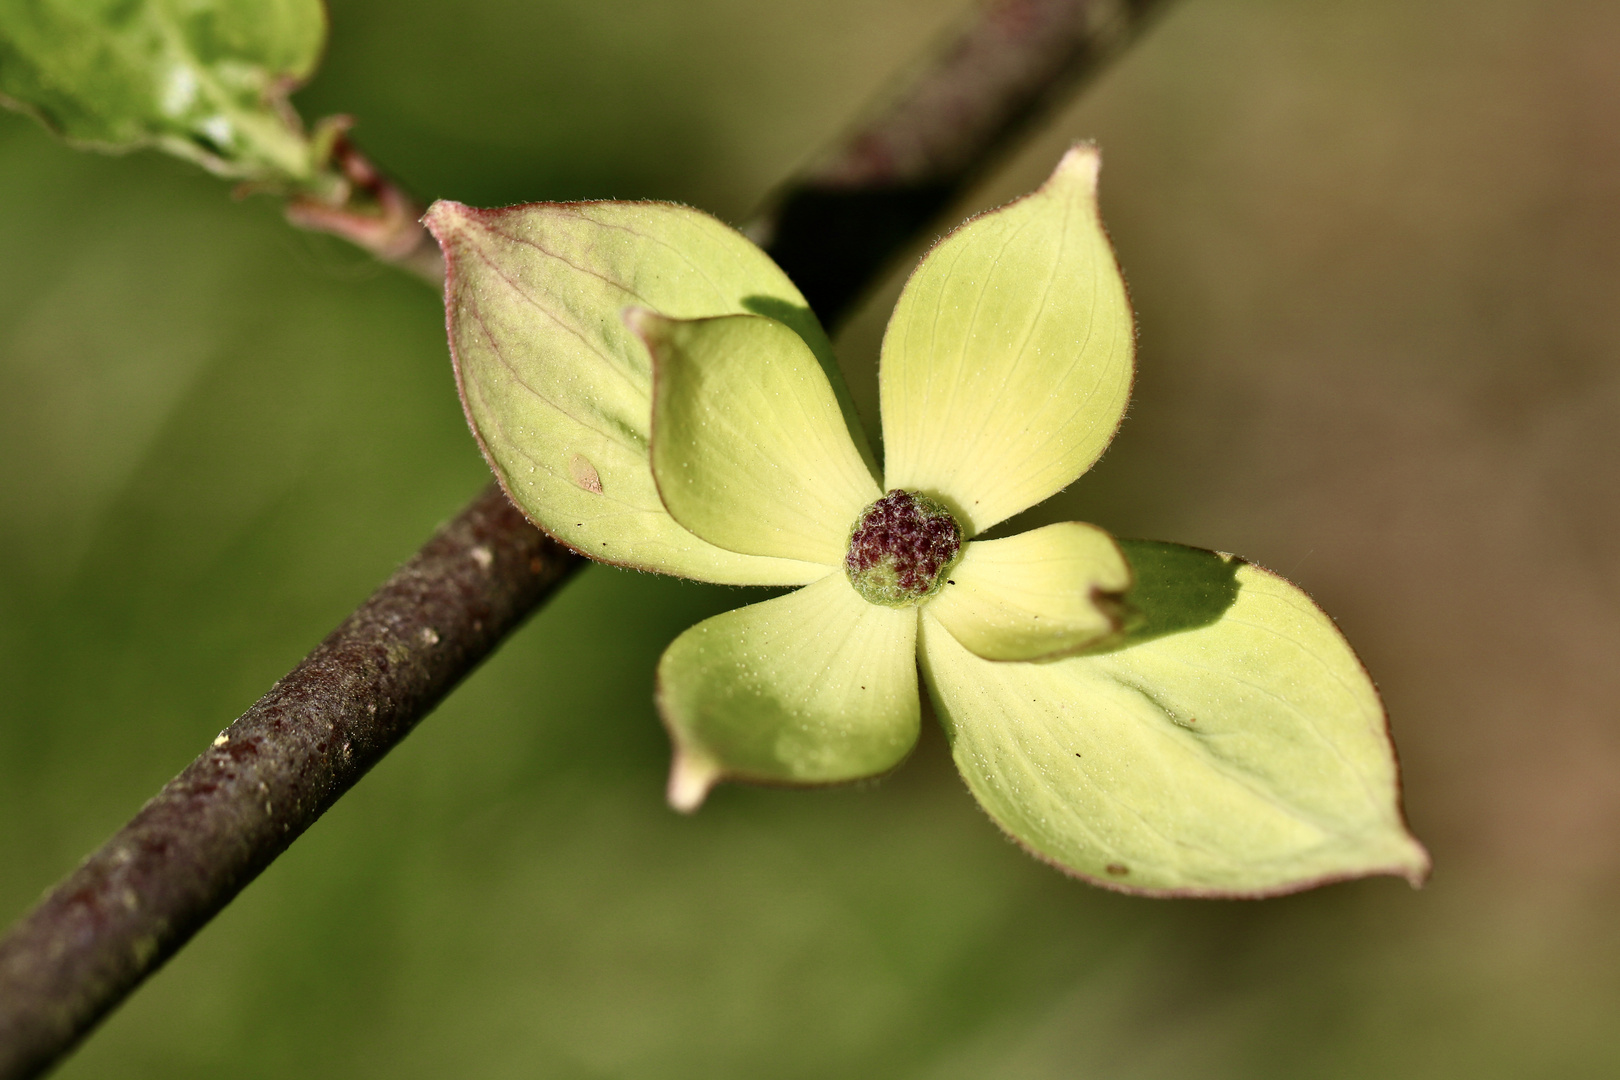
x=653 y=392
x=559 y=390
x=204 y=79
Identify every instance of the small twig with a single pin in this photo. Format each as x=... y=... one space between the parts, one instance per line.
x=371 y=210
x=271 y=774
x=836 y=226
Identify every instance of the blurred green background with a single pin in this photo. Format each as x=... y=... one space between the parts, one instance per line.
x=1375 y=250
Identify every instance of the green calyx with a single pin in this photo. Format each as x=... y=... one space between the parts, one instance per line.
x=900 y=549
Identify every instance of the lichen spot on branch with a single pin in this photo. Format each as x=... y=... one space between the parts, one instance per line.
x=900 y=549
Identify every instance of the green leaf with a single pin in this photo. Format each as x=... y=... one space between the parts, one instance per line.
x=558 y=388
x=1042 y=593
x=1007 y=364
x=204 y=79
x=1246 y=755
x=749 y=449
x=815 y=687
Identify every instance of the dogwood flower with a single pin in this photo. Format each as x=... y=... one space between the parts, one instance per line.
x=653 y=392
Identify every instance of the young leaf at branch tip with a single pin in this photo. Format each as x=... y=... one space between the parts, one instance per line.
x=206 y=80
x=1154 y=718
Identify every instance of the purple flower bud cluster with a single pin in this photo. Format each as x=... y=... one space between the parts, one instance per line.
x=900 y=549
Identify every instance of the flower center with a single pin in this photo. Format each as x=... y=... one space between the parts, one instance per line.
x=901 y=548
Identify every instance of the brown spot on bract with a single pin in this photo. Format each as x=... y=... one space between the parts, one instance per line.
x=1117 y=869
x=584 y=474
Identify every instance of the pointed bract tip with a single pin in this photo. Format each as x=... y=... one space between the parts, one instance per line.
x=640 y=320
x=1081 y=163
x=652 y=328
x=1419 y=868
x=444 y=216
x=691 y=778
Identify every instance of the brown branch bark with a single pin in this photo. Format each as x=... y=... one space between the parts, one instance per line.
x=268 y=776
x=272 y=773
x=836 y=226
